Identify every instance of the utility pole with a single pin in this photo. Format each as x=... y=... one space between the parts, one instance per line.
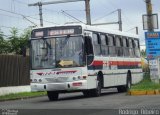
x=87 y=4
x=149 y=14
x=88 y=16
x=119 y=19
x=40 y=14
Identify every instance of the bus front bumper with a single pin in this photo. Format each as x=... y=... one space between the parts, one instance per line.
x=68 y=86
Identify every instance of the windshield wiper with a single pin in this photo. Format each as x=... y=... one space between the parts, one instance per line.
x=66 y=40
x=48 y=45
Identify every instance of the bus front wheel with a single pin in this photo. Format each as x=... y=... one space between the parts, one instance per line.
x=94 y=92
x=87 y=93
x=52 y=95
x=97 y=91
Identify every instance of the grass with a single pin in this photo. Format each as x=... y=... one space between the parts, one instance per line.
x=21 y=95
x=146 y=84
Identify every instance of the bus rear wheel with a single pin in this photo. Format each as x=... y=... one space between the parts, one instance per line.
x=128 y=84
x=121 y=89
x=129 y=81
x=52 y=95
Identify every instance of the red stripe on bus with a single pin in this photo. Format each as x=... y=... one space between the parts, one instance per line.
x=123 y=63
x=116 y=63
x=97 y=63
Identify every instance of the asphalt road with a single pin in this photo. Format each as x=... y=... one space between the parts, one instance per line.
x=109 y=100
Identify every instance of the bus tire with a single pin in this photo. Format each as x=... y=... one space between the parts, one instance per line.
x=97 y=91
x=52 y=95
x=87 y=93
x=128 y=84
x=121 y=89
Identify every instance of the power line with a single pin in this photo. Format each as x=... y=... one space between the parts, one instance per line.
x=25 y=16
x=63 y=12
x=136 y=28
x=1 y=26
x=10 y=16
x=39 y=4
x=20 y=15
x=10 y=12
x=24 y=3
x=53 y=10
x=29 y=20
x=72 y=16
x=20 y=18
x=106 y=15
x=130 y=29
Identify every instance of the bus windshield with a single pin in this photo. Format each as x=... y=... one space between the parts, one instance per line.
x=57 y=52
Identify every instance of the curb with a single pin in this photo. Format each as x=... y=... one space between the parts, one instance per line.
x=14 y=89
x=145 y=92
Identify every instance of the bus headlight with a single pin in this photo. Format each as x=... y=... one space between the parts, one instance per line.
x=79 y=77
x=35 y=80
x=40 y=80
x=74 y=78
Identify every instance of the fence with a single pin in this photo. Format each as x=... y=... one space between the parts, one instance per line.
x=14 y=70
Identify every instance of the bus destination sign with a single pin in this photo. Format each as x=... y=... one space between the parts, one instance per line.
x=61 y=32
x=152 y=44
x=56 y=31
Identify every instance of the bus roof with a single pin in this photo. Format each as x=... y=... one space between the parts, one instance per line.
x=96 y=29
x=109 y=31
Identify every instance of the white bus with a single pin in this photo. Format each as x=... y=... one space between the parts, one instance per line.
x=82 y=58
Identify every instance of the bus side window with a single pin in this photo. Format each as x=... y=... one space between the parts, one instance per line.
x=97 y=44
x=104 y=43
x=112 y=48
x=136 y=49
x=121 y=41
x=131 y=46
x=125 y=46
x=119 y=49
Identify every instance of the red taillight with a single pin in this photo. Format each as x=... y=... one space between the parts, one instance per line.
x=77 y=84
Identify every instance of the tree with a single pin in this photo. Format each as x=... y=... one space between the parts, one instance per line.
x=4 y=44
x=24 y=41
x=143 y=53
x=15 y=43
x=1 y=41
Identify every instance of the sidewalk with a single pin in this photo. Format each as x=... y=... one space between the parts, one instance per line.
x=14 y=89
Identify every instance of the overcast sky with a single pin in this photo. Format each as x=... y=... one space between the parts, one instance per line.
x=132 y=11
